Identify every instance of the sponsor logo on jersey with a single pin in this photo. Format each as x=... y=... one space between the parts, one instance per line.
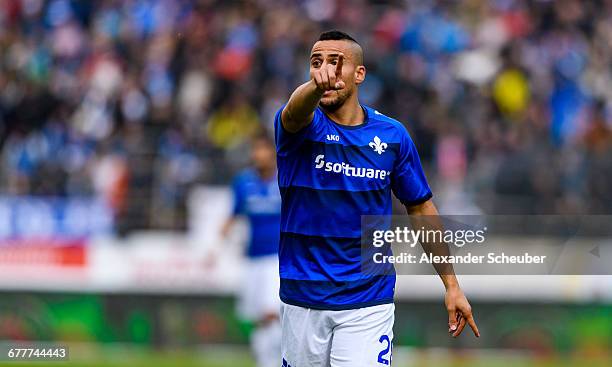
x=348 y=170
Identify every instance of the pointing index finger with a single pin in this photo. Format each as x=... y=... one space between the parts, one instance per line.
x=472 y=324
x=339 y=65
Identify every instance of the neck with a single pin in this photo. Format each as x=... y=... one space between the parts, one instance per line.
x=349 y=114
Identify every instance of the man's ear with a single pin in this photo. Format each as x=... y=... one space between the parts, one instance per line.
x=360 y=74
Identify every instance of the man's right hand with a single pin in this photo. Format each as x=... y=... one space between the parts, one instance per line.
x=299 y=111
x=329 y=77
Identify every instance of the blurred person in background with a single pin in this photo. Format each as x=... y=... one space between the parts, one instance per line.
x=257 y=197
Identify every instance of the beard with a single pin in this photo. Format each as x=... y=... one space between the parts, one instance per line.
x=335 y=101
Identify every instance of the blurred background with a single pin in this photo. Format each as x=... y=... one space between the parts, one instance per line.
x=122 y=124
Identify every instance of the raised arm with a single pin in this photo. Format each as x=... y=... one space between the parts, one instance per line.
x=425 y=215
x=299 y=111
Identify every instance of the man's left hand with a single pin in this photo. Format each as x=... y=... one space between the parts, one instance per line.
x=459 y=312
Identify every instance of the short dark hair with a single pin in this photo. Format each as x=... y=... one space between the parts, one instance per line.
x=336 y=35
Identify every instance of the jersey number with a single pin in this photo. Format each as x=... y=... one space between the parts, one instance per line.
x=384 y=352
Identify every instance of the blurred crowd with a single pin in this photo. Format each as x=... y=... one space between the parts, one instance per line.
x=136 y=101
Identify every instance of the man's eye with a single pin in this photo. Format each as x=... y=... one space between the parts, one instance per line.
x=316 y=63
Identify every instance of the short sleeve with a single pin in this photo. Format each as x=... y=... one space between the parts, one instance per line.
x=238 y=208
x=408 y=180
x=287 y=141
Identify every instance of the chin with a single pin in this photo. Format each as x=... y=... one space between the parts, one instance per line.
x=331 y=103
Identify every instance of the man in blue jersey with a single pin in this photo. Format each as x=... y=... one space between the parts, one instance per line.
x=256 y=196
x=337 y=161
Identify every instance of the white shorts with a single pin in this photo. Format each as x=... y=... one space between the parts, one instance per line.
x=259 y=291
x=361 y=337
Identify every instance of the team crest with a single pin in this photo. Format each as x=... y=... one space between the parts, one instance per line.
x=378 y=146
